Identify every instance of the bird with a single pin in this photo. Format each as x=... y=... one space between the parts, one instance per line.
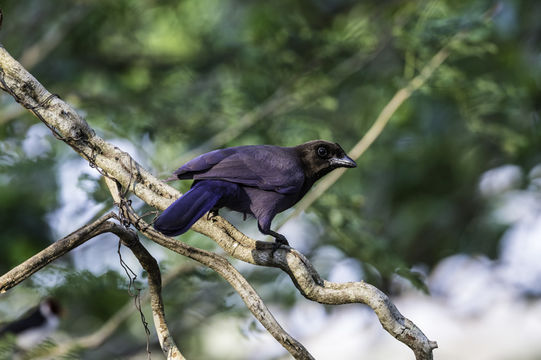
x=36 y=325
x=257 y=180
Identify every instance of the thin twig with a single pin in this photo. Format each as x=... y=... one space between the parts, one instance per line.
x=285 y=99
x=99 y=336
x=130 y=239
x=133 y=290
x=375 y=130
x=52 y=37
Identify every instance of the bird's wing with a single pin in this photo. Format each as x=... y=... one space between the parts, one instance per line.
x=266 y=167
x=33 y=318
x=202 y=163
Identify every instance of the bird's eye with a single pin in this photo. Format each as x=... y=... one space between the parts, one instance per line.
x=322 y=152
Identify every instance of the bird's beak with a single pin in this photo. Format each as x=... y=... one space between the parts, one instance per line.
x=345 y=161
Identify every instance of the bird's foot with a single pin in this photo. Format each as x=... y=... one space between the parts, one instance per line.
x=280 y=240
x=212 y=214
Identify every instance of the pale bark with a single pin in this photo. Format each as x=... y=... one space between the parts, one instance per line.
x=116 y=164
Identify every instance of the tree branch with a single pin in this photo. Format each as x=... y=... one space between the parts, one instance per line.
x=228 y=272
x=313 y=287
x=53 y=252
x=114 y=163
x=99 y=336
x=130 y=239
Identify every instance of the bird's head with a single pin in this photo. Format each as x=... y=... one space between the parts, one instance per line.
x=319 y=157
x=50 y=307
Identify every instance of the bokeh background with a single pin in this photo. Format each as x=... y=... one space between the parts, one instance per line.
x=443 y=212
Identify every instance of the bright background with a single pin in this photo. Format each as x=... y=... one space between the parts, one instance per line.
x=443 y=212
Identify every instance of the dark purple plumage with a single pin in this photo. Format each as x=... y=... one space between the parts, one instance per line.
x=261 y=180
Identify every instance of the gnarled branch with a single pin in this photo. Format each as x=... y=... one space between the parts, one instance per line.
x=224 y=268
x=80 y=236
x=114 y=163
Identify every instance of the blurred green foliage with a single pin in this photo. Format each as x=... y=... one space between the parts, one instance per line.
x=170 y=75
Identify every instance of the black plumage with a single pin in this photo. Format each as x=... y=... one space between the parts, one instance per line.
x=260 y=180
x=36 y=325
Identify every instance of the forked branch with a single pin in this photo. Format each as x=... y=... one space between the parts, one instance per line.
x=113 y=163
x=130 y=239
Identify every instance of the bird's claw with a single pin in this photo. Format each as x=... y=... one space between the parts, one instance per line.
x=281 y=240
x=212 y=214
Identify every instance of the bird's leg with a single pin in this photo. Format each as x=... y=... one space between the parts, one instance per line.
x=264 y=224
x=279 y=238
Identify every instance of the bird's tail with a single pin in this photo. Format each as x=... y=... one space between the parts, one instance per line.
x=186 y=210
